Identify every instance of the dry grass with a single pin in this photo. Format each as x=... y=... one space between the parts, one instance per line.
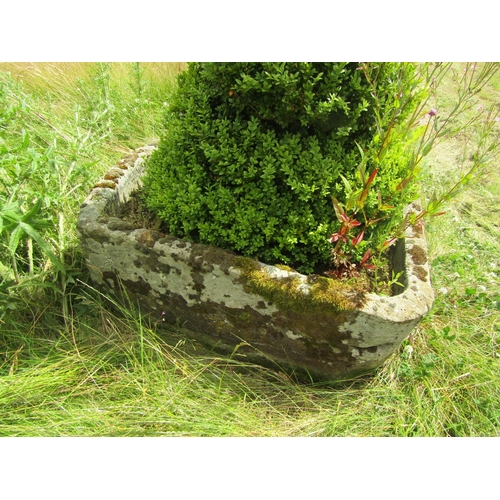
x=62 y=75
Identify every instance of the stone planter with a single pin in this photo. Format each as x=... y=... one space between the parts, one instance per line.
x=307 y=325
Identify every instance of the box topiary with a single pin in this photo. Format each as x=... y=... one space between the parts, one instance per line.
x=253 y=153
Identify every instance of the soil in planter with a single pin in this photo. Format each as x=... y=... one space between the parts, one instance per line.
x=136 y=212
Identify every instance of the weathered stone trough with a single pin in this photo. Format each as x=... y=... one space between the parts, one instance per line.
x=308 y=325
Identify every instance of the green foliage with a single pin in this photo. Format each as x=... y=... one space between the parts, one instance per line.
x=253 y=153
x=50 y=145
x=34 y=178
x=410 y=140
x=118 y=111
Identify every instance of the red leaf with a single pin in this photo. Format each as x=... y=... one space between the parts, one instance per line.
x=365 y=259
x=404 y=183
x=337 y=236
x=372 y=176
x=358 y=238
x=366 y=256
x=389 y=242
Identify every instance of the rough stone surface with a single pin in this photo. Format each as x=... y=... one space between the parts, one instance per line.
x=204 y=291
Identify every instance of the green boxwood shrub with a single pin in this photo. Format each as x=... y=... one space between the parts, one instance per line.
x=253 y=152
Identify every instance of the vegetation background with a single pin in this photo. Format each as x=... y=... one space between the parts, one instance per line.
x=70 y=366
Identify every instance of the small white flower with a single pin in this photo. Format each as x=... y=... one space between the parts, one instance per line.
x=481 y=288
x=443 y=290
x=408 y=349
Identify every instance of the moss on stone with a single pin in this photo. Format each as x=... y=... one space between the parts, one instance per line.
x=245 y=318
x=344 y=297
x=285 y=268
x=289 y=292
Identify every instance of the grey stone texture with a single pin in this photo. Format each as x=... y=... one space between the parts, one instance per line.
x=213 y=295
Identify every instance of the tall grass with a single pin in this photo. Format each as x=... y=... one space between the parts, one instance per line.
x=72 y=363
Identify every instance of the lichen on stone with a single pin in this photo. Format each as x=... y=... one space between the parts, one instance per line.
x=420 y=273
x=418 y=255
x=113 y=174
x=105 y=183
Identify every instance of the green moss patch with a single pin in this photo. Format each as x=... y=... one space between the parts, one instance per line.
x=320 y=293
